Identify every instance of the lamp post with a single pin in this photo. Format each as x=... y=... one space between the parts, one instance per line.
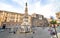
x=53 y=22
x=55 y=30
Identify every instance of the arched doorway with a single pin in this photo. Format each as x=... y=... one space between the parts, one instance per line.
x=3 y=26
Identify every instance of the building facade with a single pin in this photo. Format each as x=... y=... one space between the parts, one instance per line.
x=39 y=20
x=58 y=17
x=6 y=16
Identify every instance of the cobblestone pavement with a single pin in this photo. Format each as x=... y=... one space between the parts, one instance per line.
x=39 y=33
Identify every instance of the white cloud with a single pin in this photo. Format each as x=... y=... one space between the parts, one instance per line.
x=4 y=6
x=7 y=7
x=20 y=2
x=46 y=10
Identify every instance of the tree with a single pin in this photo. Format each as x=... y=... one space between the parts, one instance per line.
x=54 y=22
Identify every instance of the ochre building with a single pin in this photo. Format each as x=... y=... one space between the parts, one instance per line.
x=6 y=16
x=58 y=17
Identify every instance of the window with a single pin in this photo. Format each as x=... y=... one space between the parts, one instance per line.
x=26 y=20
x=40 y=17
x=12 y=19
x=59 y=18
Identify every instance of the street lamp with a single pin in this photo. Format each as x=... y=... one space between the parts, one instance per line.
x=53 y=22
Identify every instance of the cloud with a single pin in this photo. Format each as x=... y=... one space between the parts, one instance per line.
x=20 y=2
x=34 y=6
x=7 y=7
x=44 y=10
x=4 y=6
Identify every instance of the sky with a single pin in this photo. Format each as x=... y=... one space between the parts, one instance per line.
x=47 y=8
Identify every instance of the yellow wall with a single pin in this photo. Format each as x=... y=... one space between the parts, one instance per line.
x=58 y=14
x=10 y=16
